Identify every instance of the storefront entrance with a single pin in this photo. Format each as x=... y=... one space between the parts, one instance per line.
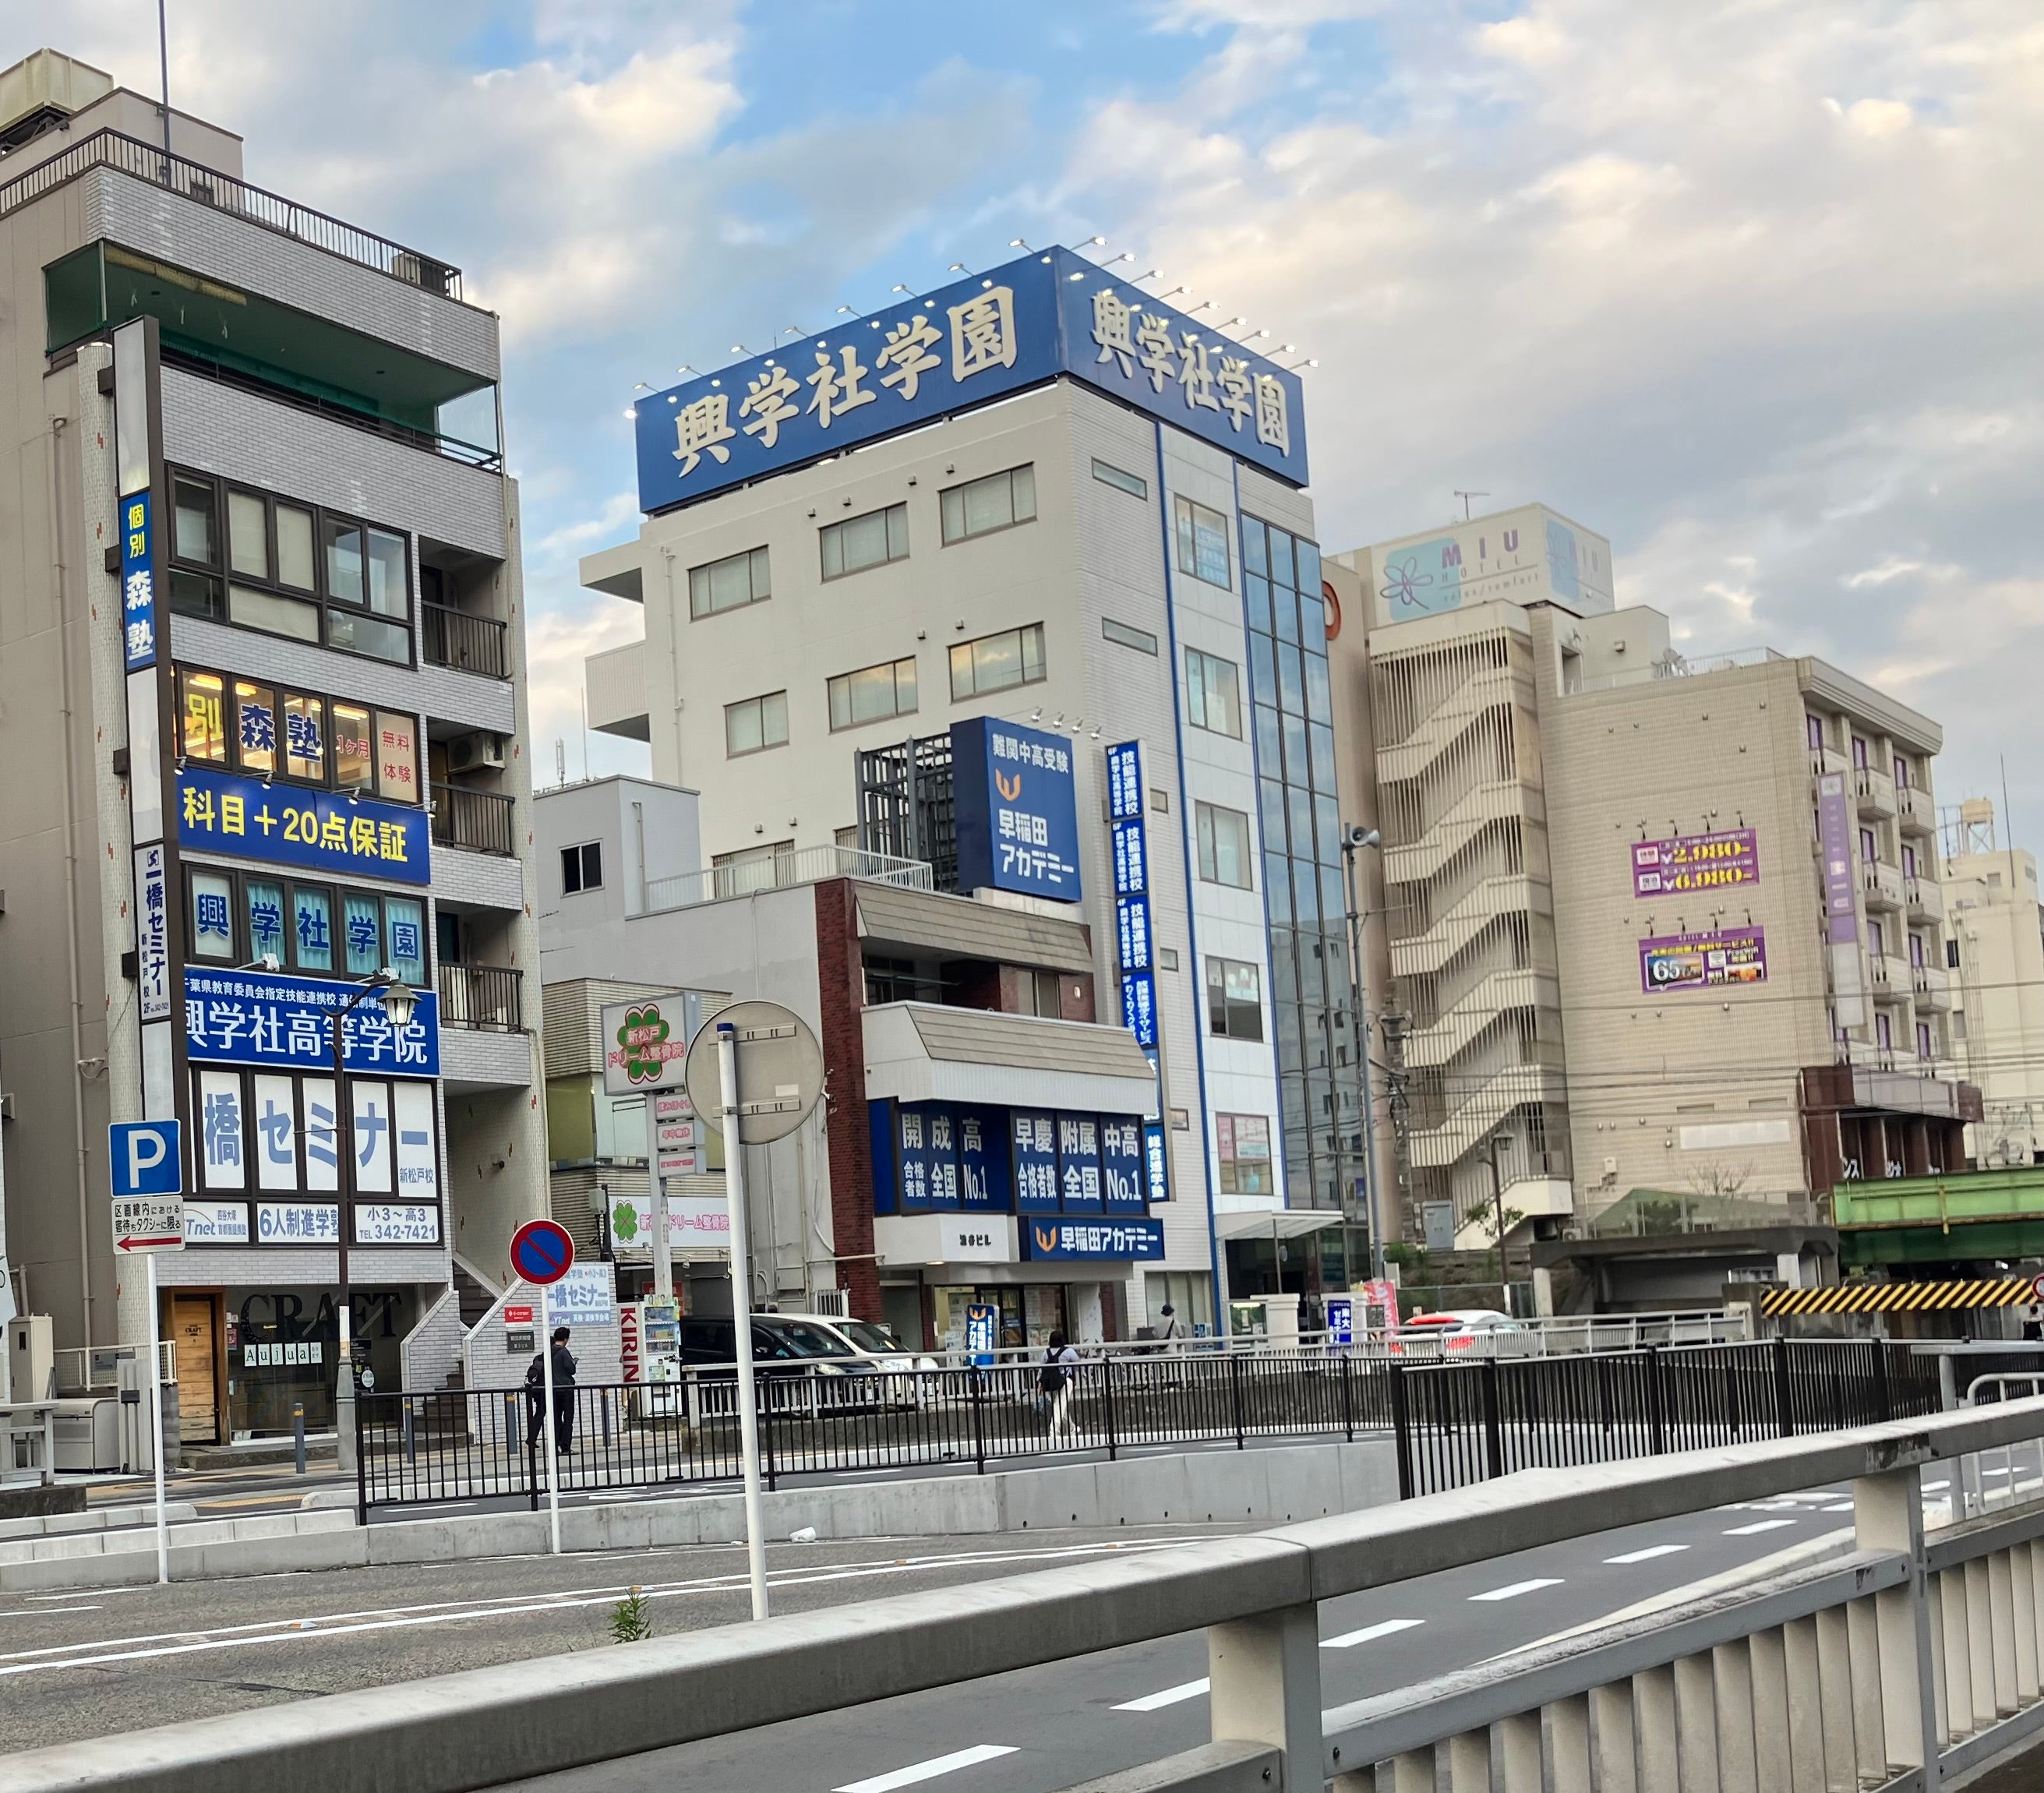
x=280 y=1351
x=193 y=1332
x=1028 y=1313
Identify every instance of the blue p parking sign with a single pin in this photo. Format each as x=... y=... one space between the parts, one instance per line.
x=145 y=1158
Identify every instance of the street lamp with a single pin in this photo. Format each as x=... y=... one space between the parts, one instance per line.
x=1355 y=837
x=398 y=1000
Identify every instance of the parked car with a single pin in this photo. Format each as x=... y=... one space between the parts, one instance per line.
x=1452 y=1329
x=869 y=1340
x=784 y=1347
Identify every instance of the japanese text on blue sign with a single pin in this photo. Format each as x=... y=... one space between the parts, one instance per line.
x=153 y=933
x=1139 y=1241
x=244 y=1018
x=1017 y=810
x=1124 y=780
x=981 y=338
x=138 y=581
x=314 y=831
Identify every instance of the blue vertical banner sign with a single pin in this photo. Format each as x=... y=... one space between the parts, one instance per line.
x=138 y=580
x=1036 y=1158
x=1131 y=892
x=1123 y=1178
x=1017 y=810
x=1153 y=1160
x=982 y=1160
x=153 y=933
x=1078 y=1164
x=1124 y=780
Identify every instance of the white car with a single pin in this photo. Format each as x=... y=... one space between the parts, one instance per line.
x=1452 y=1329
x=866 y=1339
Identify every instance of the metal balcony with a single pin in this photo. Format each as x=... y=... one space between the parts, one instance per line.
x=481 y=996
x=467 y=644
x=478 y=820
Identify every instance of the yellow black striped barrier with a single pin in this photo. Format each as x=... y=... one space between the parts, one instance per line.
x=1899 y=1298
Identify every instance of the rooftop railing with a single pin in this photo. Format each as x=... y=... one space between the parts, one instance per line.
x=209 y=186
x=782 y=871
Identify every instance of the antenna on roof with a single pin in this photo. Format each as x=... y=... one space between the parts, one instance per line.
x=1465 y=497
x=163 y=51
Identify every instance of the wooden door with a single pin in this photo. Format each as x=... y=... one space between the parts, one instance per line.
x=192 y=1328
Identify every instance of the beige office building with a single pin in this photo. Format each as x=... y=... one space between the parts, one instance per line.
x=1652 y=923
x=1995 y=957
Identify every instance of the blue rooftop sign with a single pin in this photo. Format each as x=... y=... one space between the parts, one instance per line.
x=1016 y=809
x=986 y=336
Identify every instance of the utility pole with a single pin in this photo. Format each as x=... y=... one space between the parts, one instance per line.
x=1497 y=1198
x=1354 y=838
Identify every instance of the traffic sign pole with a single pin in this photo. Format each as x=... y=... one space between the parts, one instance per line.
x=156 y=1426
x=741 y=1309
x=546 y=1424
x=542 y=1253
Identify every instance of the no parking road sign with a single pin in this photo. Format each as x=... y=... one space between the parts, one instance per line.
x=542 y=1252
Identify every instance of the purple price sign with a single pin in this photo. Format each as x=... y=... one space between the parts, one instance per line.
x=1701 y=962
x=1695 y=862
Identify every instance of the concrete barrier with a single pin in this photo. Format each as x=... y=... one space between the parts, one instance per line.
x=1275 y=1485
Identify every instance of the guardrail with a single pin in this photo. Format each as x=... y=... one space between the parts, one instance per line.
x=1901 y=1664
x=779 y=871
x=1453 y=1423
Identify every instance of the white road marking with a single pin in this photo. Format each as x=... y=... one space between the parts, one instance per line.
x=1934 y=1488
x=1170 y=1696
x=1648 y=1554
x=1763 y=1525
x=929 y=1770
x=1519 y=1588
x=1842 y=1506
x=1384 y=1628
x=53 y=1612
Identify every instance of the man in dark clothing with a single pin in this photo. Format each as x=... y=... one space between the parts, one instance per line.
x=535 y=1395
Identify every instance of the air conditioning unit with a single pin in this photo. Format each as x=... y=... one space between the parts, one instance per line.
x=476 y=753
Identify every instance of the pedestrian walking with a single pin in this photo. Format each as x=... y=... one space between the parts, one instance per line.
x=535 y=1395
x=1054 y=1382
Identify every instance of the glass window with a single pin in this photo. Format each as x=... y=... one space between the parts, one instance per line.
x=1255 y=553
x=860 y=542
x=264 y=900
x=1866 y=849
x=305 y=738
x=1309 y=568
x=1203 y=542
x=980 y=506
x=737 y=580
x=757 y=723
x=354 y=752
x=1223 y=838
x=994 y=663
x=1244 y=1143
x=342 y=542
x=294 y=546
x=872 y=693
x=312 y=928
x=278 y=616
x=1901 y=772
x=1319 y=694
x=255 y=727
x=581 y=867
x=397 y=756
x=362 y=634
x=1813 y=727
x=213 y=916
x=1133 y=484
x=194 y=537
x=1235 y=1000
x=362 y=919
x=390 y=574
x=1923 y=1039
x=1142 y=640
x=404 y=929
x=1280 y=560
x=248 y=535
x=1291 y=679
x=1213 y=693
x=204 y=709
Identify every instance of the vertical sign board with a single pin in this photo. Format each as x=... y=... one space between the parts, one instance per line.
x=1017 y=810
x=1834 y=826
x=1134 y=935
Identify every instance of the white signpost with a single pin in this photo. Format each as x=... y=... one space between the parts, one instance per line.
x=754 y=1073
x=146 y=1164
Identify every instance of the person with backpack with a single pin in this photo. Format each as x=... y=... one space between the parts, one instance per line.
x=535 y=1395
x=1053 y=1383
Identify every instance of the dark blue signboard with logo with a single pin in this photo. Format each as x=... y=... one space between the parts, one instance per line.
x=1153 y=1160
x=982 y=338
x=261 y=1018
x=1016 y=809
x=138 y=582
x=1057 y=1239
x=938 y=1157
x=313 y=830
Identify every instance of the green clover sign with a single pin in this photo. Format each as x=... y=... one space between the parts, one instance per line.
x=644 y=1032
x=624 y=1222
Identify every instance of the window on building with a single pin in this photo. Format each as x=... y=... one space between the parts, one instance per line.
x=981 y=506
x=1213 y=693
x=1916 y=949
x=1877 y=940
x=1952 y=953
x=1142 y=640
x=1883 y=1032
x=872 y=693
x=1223 y=838
x=1133 y=484
x=1868 y=853
x=213 y=916
x=1908 y=861
x=1923 y=1040
x=1859 y=758
x=1203 y=544
x=996 y=662
x=581 y=867
x=729 y=583
x=1901 y=772
x=290 y=570
x=755 y=724
x=1243 y=1148
x=203 y=716
x=1046 y=998
x=860 y=542
x=354 y=747
x=271 y=734
x=242 y=918
x=1813 y=726
x=1235 y=1000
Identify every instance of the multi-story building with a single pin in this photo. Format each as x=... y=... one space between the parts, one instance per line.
x=261 y=646
x=1077 y=512
x=1657 y=924
x=1993 y=968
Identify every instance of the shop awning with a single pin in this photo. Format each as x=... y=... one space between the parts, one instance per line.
x=1900 y=1297
x=1280 y=1222
x=919 y=1052
x=958 y=927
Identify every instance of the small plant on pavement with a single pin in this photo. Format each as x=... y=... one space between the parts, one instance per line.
x=631 y=1618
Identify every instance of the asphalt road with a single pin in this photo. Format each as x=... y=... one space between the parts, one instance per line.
x=77 y=1666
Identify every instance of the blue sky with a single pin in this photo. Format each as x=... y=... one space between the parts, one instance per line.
x=1742 y=283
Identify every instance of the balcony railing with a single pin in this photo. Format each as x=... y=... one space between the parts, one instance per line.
x=468 y=643
x=481 y=996
x=479 y=820
x=779 y=871
x=209 y=186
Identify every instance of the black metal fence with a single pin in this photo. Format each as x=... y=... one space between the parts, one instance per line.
x=1452 y=1423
